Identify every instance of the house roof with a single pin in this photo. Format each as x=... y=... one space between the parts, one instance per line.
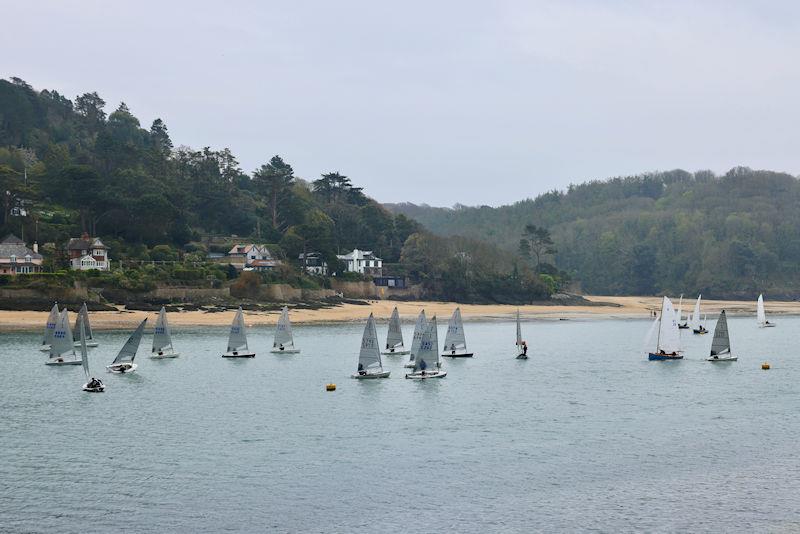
x=85 y=243
x=244 y=249
x=358 y=255
x=14 y=246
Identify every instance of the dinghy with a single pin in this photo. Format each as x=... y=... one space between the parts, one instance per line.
x=455 y=344
x=162 y=338
x=685 y=324
x=284 y=341
x=426 y=360
x=237 y=340
x=123 y=363
x=522 y=346
x=419 y=331
x=49 y=328
x=62 y=351
x=669 y=340
x=83 y=315
x=394 y=339
x=721 y=346
x=761 y=314
x=697 y=324
x=369 y=359
x=94 y=385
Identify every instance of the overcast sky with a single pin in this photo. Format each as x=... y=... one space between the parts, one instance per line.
x=433 y=101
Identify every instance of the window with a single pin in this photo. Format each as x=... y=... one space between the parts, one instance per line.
x=13 y=259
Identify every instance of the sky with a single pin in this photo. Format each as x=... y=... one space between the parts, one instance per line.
x=437 y=102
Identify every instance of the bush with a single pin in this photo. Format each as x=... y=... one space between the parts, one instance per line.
x=246 y=286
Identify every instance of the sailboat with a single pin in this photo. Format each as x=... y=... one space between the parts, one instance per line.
x=49 y=328
x=83 y=315
x=162 y=338
x=284 y=341
x=522 y=346
x=369 y=359
x=685 y=324
x=761 y=314
x=697 y=325
x=426 y=360
x=394 y=339
x=419 y=331
x=237 y=340
x=669 y=340
x=62 y=351
x=455 y=344
x=93 y=385
x=123 y=363
x=721 y=346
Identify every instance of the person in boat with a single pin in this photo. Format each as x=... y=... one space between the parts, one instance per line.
x=524 y=348
x=452 y=348
x=361 y=370
x=423 y=366
x=94 y=383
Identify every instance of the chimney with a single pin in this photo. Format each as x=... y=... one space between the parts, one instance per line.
x=36 y=247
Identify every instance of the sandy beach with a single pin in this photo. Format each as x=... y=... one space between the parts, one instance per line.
x=603 y=308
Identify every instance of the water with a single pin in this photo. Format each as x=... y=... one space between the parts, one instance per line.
x=585 y=435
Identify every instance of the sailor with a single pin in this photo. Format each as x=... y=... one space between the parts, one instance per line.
x=453 y=348
x=524 y=348
x=280 y=346
x=361 y=370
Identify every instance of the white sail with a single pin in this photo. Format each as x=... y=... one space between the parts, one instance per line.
x=83 y=315
x=761 y=313
x=162 y=337
x=237 y=340
x=128 y=351
x=696 y=314
x=648 y=339
x=419 y=331
x=669 y=339
x=394 y=338
x=722 y=343
x=370 y=355
x=680 y=309
x=283 y=331
x=62 y=344
x=455 y=340
x=50 y=325
x=427 y=357
x=519 y=331
x=81 y=328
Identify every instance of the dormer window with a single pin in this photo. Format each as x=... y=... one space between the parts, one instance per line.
x=13 y=258
x=27 y=258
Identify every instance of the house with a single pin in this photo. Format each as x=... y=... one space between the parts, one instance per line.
x=363 y=262
x=251 y=257
x=390 y=281
x=16 y=258
x=314 y=263
x=88 y=253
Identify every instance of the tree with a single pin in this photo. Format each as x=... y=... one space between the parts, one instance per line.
x=90 y=106
x=274 y=181
x=539 y=243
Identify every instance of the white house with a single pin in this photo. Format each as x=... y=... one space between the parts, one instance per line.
x=252 y=257
x=88 y=253
x=363 y=262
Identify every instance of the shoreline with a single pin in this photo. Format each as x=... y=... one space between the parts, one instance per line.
x=602 y=308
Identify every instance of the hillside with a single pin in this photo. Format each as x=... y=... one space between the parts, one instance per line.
x=673 y=232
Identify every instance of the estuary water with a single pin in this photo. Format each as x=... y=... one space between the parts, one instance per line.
x=585 y=435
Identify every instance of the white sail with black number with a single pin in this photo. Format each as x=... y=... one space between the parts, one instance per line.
x=237 y=340
x=369 y=358
x=419 y=330
x=394 y=339
x=162 y=336
x=455 y=340
x=62 y=344
x=283 y=331
x=427 y=358
x=129 y=349
x=50 y=327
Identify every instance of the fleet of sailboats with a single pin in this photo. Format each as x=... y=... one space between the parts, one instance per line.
x=394 y=338
x=455 y=344
x=761 y=314
x=123 y=363
x=162 y=338
x=284 y=341
x=419 y=331
x=369 y=358
x=426 y=360
x=237 y=339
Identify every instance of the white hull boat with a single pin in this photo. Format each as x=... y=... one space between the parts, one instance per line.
x=761 y=314
x=162 y=338
x=390 y=352
x=94 y=389
x=426 y=361
x=394 y=339
x=44 y=348
x=123 y=363
x=237 y=339
x=163 y=354
x=284 y=339
x=62 y=361
x=285 y=350
x=369 y=357
x=61 y=350
x=425 y=375
x=88 y=344
x=458 y=354
x=721 y=345
x=122 y=368
x=367 y=376
x=455 y=344
x=722 y=359
x=237 y=354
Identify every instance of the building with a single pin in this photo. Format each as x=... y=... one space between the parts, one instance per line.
x=16 y=258
x=390 y=281
x=363 y=262
x=251 y=257
x=88 y=253
x=314 y=263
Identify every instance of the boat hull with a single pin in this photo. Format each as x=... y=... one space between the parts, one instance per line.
x=409 y=365
x=458 y=355
x=63 y=362
x=656 y=357
x=726 y=359
x=88 y=344
x=164 y=355
x=383 y=374
x=403 y=352
x=98 y=389
x=426 y=376
x=239 y=355
x=121 y=369
x=522 y=356
x=767 y=325
x=285 y=351
x=703 y=331
x=44 y=348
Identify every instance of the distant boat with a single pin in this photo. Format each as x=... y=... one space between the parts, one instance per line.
x=685 y=324
x=284 y=341
x=369 y=359
x=426 y=360
x=721 y=346
x=83 y=314
x=94 y=385
x=761 y=314
x=522 y=346
x=419 y=331
x=669 y=340
x=49 y=328
x=237 y=340
x=123 y=363
x=455 y=344
x=394 y=339
x=162 y=338
x=697 y=324
x=62 y=351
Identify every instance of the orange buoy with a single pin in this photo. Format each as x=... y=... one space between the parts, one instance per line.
x=765 y=366
x=330 y=387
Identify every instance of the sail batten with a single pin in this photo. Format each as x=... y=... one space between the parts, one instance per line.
x=283 y=330
x=395 y=336
x=237 y=340
x=128 y=351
